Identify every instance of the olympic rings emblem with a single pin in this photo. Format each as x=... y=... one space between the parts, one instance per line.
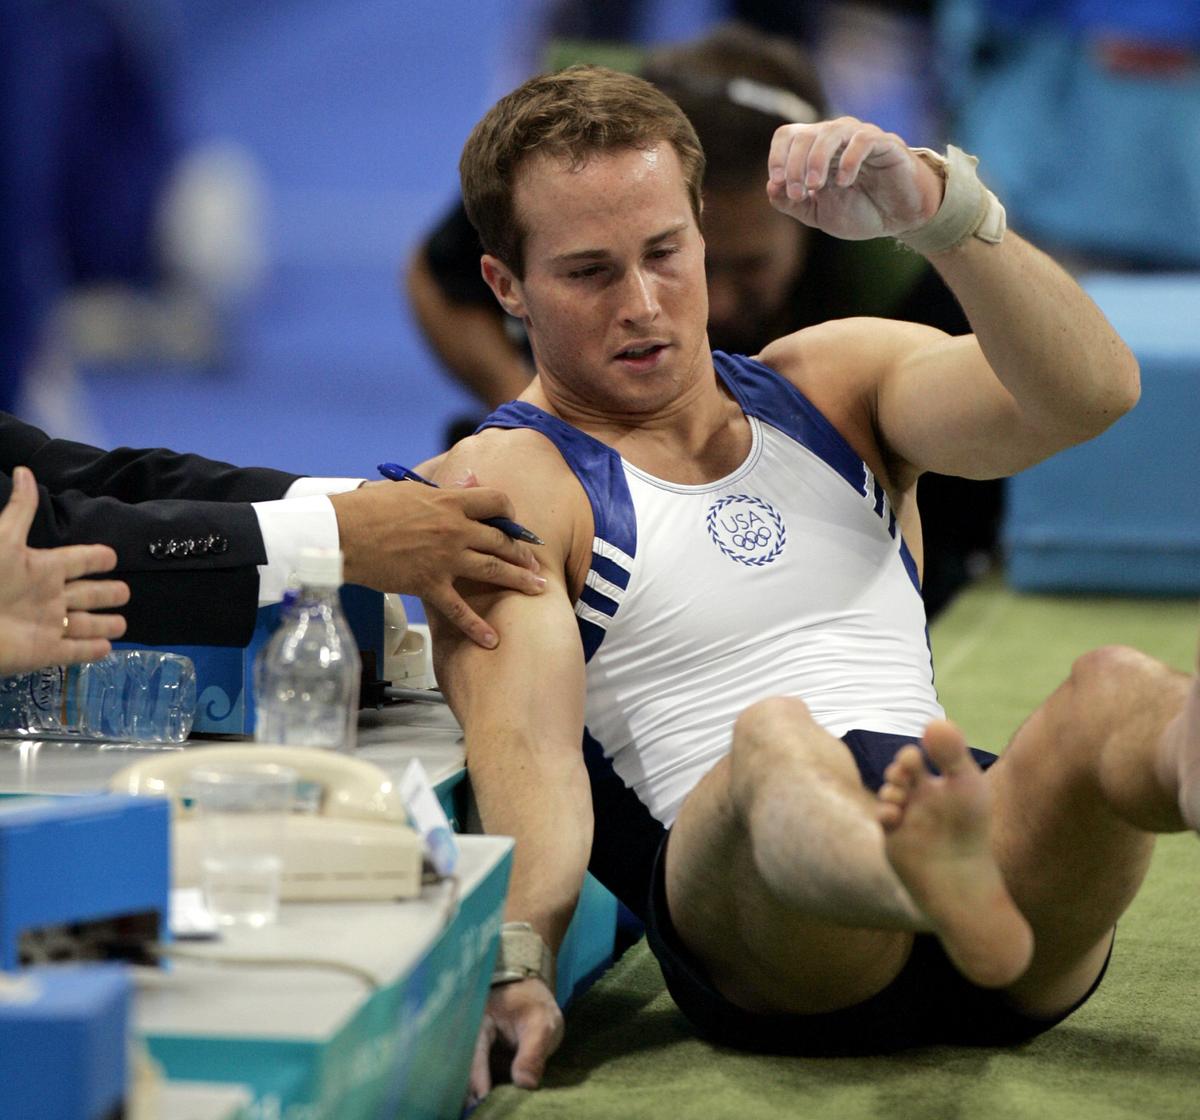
x=746 y=529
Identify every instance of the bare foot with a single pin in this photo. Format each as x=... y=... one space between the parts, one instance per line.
x=936 y=837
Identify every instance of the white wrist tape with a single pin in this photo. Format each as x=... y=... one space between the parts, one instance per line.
x=522 y=954
x=968 y=208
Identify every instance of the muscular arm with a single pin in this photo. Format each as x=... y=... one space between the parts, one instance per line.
x=521 y=707
x=1043 y=370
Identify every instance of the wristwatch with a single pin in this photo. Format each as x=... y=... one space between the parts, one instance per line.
x=522 y=954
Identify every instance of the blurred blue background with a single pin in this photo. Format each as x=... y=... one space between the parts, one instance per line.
x=355 y=112
x=347 y=117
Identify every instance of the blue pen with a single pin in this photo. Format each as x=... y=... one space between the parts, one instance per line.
x=510 y=528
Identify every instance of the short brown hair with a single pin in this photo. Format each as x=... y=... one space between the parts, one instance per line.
x=572 y=114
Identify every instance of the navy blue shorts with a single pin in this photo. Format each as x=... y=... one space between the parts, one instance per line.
x=928 y=1003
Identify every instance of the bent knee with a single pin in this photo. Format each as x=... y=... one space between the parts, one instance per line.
x=772 y=719
x=1108 y=688
x=1110 y=676
x=773 y=736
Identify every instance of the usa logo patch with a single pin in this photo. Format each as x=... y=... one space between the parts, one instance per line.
x=747 y=529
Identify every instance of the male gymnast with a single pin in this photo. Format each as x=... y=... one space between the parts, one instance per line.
x=733 y=628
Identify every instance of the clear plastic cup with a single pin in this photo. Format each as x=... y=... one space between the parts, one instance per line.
x=243 y=810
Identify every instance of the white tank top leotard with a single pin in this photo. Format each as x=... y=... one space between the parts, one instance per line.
x=787 y=577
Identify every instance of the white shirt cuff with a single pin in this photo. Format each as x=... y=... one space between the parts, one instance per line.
x=304 y=518
x=307 y=487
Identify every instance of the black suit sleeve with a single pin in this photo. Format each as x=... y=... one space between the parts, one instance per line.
x=187 y=541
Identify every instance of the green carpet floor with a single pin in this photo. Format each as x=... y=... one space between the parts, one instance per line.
x=1132 y=1052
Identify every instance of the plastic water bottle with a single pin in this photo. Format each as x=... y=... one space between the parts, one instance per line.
x=306 y=678
x=132 y=695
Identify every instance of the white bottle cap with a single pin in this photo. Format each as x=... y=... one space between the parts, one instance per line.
x=320 y=567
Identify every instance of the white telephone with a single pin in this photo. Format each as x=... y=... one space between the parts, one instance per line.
x=355 y=846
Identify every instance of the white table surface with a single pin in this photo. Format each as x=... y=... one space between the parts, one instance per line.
x=201 y=1100
x=303 y=1002
x=390 y=738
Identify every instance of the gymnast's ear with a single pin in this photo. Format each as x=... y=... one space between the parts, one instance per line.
x=505 y=286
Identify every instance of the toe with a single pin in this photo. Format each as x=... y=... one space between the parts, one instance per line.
x=889 y=816
x=946 y=747
x=907 y=768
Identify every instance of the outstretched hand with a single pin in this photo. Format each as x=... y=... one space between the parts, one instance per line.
x=46 y=604
x=521 y=1022
x=850 y=180
x=417 y=540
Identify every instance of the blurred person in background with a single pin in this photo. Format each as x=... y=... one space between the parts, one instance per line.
x=876 y=58
x=767 y=276
x=123 y=238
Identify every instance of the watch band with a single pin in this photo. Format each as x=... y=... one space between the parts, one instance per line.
x=522 y=954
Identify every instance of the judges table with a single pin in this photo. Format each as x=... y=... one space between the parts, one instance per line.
x=390 y=738
x=314 y=1044
x=394 y=1037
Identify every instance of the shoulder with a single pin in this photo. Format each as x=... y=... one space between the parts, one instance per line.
x=515 y=458
x=850 y=351
x=546 y=495
x=840 y=367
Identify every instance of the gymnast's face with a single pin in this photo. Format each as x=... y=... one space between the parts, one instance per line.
x=613 y=295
